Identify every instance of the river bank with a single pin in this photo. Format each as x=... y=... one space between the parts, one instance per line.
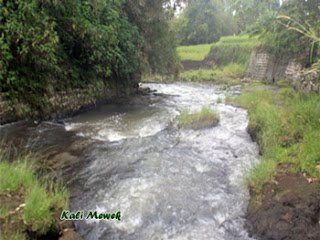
x=283 y=203
x=50 y=151
x=46 y=151
x=63 y=104
x=284 y=186
x=286 y=208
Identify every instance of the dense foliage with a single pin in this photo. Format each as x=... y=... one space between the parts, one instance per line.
x=260 y=18
x=204 y=21
x=153 y=18
x=247 y=12
x=65 y=44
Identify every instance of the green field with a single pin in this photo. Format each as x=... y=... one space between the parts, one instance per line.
x=195 y=52
x=228 y=49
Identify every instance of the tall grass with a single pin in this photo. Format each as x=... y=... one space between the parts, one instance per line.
x=13 y=176
x=224 y=75
x=42 y=198
x=287 y=127
x=234 y=70
x=205 y=118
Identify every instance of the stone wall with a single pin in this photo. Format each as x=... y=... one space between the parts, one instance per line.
x=264 y=66
x=258 y=65
x=57 y=104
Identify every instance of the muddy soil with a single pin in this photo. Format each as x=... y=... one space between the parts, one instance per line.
x=287 y=209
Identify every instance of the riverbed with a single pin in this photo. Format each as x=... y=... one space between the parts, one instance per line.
x=167 y=182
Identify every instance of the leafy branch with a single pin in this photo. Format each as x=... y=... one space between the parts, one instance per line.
x=308 y=31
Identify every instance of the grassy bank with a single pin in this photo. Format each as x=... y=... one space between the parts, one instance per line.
x=30 y=205
x=232 y=49
x=205 y=118
x=286 y=125
x=230 y=57
x=224 y=75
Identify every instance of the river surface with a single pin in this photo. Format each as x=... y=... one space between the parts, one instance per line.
x=167 y=182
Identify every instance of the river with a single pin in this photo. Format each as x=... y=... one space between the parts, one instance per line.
x=167 y=182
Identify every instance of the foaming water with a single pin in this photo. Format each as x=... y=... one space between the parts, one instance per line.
x=117 y=122
x=168 y=183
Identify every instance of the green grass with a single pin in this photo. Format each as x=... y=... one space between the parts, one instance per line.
x=243 y=39
x=13 y=176
x=195 y=52
x=230 y=55
x=42 y=198
x=233 y=49
x=286 y=125
x=198 y=75
x=227 y=75
x=234 y=70
x=205 y=118
x=13 y=236
x=252 y=84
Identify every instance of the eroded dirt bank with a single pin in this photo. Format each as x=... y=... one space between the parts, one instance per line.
x=287 y=209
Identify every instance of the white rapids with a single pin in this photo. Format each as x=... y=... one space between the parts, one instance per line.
x=168 y=183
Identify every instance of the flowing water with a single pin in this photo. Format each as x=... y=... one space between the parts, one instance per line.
x=167 y=182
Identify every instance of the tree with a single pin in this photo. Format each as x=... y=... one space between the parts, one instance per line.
x=204 y=21
x=67 y=44
x=247 y=12
x=152 y=17
x=287 y=43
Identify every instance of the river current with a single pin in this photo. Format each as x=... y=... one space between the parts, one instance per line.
x=167 y=182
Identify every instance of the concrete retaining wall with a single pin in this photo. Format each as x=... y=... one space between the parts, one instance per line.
x=265 y=66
